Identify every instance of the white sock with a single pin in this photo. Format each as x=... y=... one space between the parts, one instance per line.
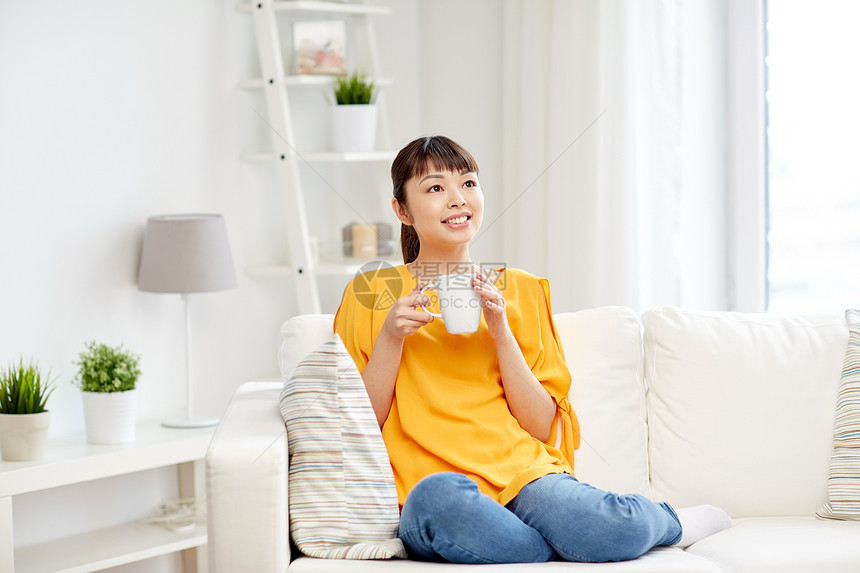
x=700 y=521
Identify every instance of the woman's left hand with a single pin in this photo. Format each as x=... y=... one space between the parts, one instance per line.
x=493 y=304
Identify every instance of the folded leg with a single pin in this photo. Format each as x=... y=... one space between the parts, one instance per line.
x=583 y=523
x=446 y=518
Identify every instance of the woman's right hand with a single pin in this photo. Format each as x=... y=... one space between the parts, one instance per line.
x=406 y=316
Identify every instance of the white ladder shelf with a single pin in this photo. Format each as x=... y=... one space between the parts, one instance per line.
x=286 y=153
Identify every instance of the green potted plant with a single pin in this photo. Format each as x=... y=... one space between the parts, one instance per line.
x=107 y=377
x=24 y=419
x=353 y=119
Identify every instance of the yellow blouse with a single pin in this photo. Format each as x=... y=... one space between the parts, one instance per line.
x=449 y=411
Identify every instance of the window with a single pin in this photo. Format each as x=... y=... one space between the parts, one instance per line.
x=813 y=155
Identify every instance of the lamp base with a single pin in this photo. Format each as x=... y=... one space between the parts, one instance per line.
x=185 y=422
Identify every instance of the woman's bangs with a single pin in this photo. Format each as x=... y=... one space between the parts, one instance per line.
x=437 y=154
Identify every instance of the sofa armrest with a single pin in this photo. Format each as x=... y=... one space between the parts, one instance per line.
x=246 y=484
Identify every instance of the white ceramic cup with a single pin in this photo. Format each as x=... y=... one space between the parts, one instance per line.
x=459 y=304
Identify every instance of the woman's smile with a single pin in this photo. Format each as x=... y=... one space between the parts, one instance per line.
x=459 y=221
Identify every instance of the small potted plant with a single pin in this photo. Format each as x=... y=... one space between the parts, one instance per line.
x=353 y=119
x=24 y=420
x=107 y=377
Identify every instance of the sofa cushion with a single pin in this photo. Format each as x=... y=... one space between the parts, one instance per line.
x=658 y=560
x=603 y=351
x=740 y=408
x=843 y=484
x=299 y=336
x=783 y=545
x=342 y=498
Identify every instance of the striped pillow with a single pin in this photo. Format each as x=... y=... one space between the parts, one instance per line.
x=843 y=483
x=342 y=498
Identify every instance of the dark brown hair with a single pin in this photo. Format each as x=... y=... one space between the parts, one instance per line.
x=418 y=158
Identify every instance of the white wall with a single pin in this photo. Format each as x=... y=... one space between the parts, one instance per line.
x=113 y=111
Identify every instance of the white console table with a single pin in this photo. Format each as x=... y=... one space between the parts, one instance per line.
x=70 y=460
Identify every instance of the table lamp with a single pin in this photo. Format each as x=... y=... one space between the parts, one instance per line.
x=186 y=254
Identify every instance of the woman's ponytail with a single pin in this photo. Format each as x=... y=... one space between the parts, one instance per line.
x=409 y=243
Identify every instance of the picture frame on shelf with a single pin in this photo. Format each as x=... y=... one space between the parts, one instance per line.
x=320 y=47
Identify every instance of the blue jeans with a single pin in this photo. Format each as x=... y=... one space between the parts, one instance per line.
x=446 y=518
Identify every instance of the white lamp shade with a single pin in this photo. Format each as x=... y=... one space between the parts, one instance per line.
x=186 y=254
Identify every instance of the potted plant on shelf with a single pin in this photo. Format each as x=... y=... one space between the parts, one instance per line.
x=353 y=118
x=24 y=420
x=107 y=377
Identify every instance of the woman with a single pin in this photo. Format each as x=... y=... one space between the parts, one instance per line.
x=478 y=426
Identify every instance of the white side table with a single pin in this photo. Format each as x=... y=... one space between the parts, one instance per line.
x=70 y=460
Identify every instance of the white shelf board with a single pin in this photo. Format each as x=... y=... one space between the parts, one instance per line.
x=325 y=157
x=329 y=7
x=345 y=267
x=96 y=550
x=286 y=270
x=307 y=80
x=70 y=459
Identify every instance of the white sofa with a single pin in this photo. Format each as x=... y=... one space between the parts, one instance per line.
x=736 y=410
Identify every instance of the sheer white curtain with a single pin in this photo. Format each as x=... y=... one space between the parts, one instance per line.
x=612 y=180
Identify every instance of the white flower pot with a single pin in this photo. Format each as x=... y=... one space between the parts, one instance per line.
x=353 y=128
x=23 y=436
x=110 y=417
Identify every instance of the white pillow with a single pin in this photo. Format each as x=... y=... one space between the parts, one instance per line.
x=299 y=336
x=843 y=484
x=342 y=497
x=740 y=408
x=603 y=351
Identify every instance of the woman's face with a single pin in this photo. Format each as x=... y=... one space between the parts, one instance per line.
x=444 y=207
